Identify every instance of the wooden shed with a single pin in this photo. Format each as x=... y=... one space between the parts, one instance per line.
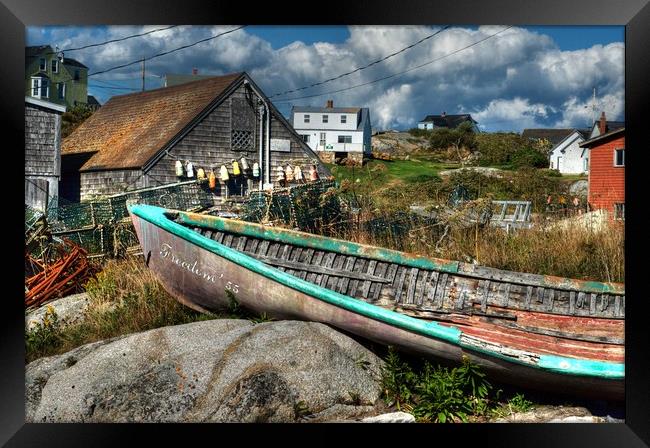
x=42 y=152
x=135 y=141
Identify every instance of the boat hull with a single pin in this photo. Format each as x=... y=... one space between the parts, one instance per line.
x=206 y=281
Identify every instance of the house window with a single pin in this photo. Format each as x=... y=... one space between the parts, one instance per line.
x=42 y=66
x=344 y=118
x=619 y=211
x=345 y=139
x=306 y=118
x=76 y=75
x=55 y=65
x=60 y=87
x=585 y=166
x=325 y=118
x=322 y=139
x=619 y=157
x=40 y=87
x=305 y=138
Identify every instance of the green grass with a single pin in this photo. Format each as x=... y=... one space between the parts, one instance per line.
x=381 y=172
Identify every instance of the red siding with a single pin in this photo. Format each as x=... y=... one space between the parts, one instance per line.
x=606 y=181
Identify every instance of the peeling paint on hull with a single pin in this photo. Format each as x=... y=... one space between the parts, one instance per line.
x=198 y=272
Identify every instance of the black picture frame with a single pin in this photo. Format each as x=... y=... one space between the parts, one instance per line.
x=15 y=15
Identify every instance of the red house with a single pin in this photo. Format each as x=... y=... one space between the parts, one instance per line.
x=607 y=170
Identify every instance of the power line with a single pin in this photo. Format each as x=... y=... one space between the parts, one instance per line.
x=395 y=74
x=112 y=87
x=365 y=66
x=109 y=41
x=138 y=61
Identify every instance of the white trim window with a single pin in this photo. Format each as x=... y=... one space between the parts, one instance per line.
x=619 y=157
x=306 y=118
x=305 y=138
x=323 y=136
x=344 y=119
x=42 y=65
x=55 y=65
x=585 y=166
x=40 y=87
x=345 y=139
x=60 y=87
x=325 y=119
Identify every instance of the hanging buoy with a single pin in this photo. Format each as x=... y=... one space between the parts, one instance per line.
x=288 y=172
x=190 y=169
x=297 y=173
x=280 y=172
x=235 y=169
x=179 y=168
x=256 y=170
x=224 y=173
x=244 y=164
x=212 y=180
x=200 y=174
x=313 y=174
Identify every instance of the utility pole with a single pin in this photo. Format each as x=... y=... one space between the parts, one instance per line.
x=143 y=73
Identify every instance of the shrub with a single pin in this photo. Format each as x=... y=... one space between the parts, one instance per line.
x=529 y=157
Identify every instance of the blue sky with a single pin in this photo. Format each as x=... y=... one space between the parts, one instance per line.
x=537 y=76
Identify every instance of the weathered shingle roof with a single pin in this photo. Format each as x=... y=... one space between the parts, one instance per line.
x=448 y=121
x=174 y=80
x=555 y=136
x=130 y=129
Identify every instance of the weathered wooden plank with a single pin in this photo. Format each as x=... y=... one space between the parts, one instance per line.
x=329 y=260
x=572 y=302
x=359 y=266
x=551 y=298
x=383 y=270
x=559 y=334
x=441 y=292
x=241 y=244
x=592 y=304
x=604 y=302
x=372 y=264
x=344 y=282
x=334 y=279
x=540 y=294
x=423 y=288
x=263 y=247
x=506 y=295
x=486 y=294
x=581 y=299
x=220 y=236
x=316 y=261
x=400 y=283
x=411 y=286
x=431 y=289
x=227 y=241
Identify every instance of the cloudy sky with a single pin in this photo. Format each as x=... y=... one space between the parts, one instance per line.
x=508 y=78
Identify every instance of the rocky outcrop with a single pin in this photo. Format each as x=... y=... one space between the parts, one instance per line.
x=69 y=310
x=211 y=371
x=556 y=414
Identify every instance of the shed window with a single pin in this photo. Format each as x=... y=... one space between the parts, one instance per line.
x=42 y=65
x=345 y=139
x=305 y=138
x=61 y=90
x=619 y=157
x=306 y=118
x=242 y=125
x=619 y=211
x=344 y=118
x=325 y=118
x=40 y=87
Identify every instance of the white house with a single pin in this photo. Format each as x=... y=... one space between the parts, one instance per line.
x=334 y=132
x=568 y=157
x=447 y=121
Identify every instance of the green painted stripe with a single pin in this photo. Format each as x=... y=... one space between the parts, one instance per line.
x=569 y=366
x=582 y=366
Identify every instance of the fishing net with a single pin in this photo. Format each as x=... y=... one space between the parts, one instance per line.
x=102 y=226
x=309 y=207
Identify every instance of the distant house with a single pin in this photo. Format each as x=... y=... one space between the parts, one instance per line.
x=42 y=152
x=55 y=78
x=607 y=170
x=566 y=155
x=334 y=132
x=93 y=103
x=134 y=141
x=447 y=121
x=609 y=126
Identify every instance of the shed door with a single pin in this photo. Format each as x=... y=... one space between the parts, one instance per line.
x=560 y=165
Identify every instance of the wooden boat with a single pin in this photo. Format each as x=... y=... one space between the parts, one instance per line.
x=550 y=333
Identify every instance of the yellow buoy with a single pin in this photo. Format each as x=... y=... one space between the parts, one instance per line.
x=212 y=180
x=200 y=174
x=224 y=173
x=235 y=169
